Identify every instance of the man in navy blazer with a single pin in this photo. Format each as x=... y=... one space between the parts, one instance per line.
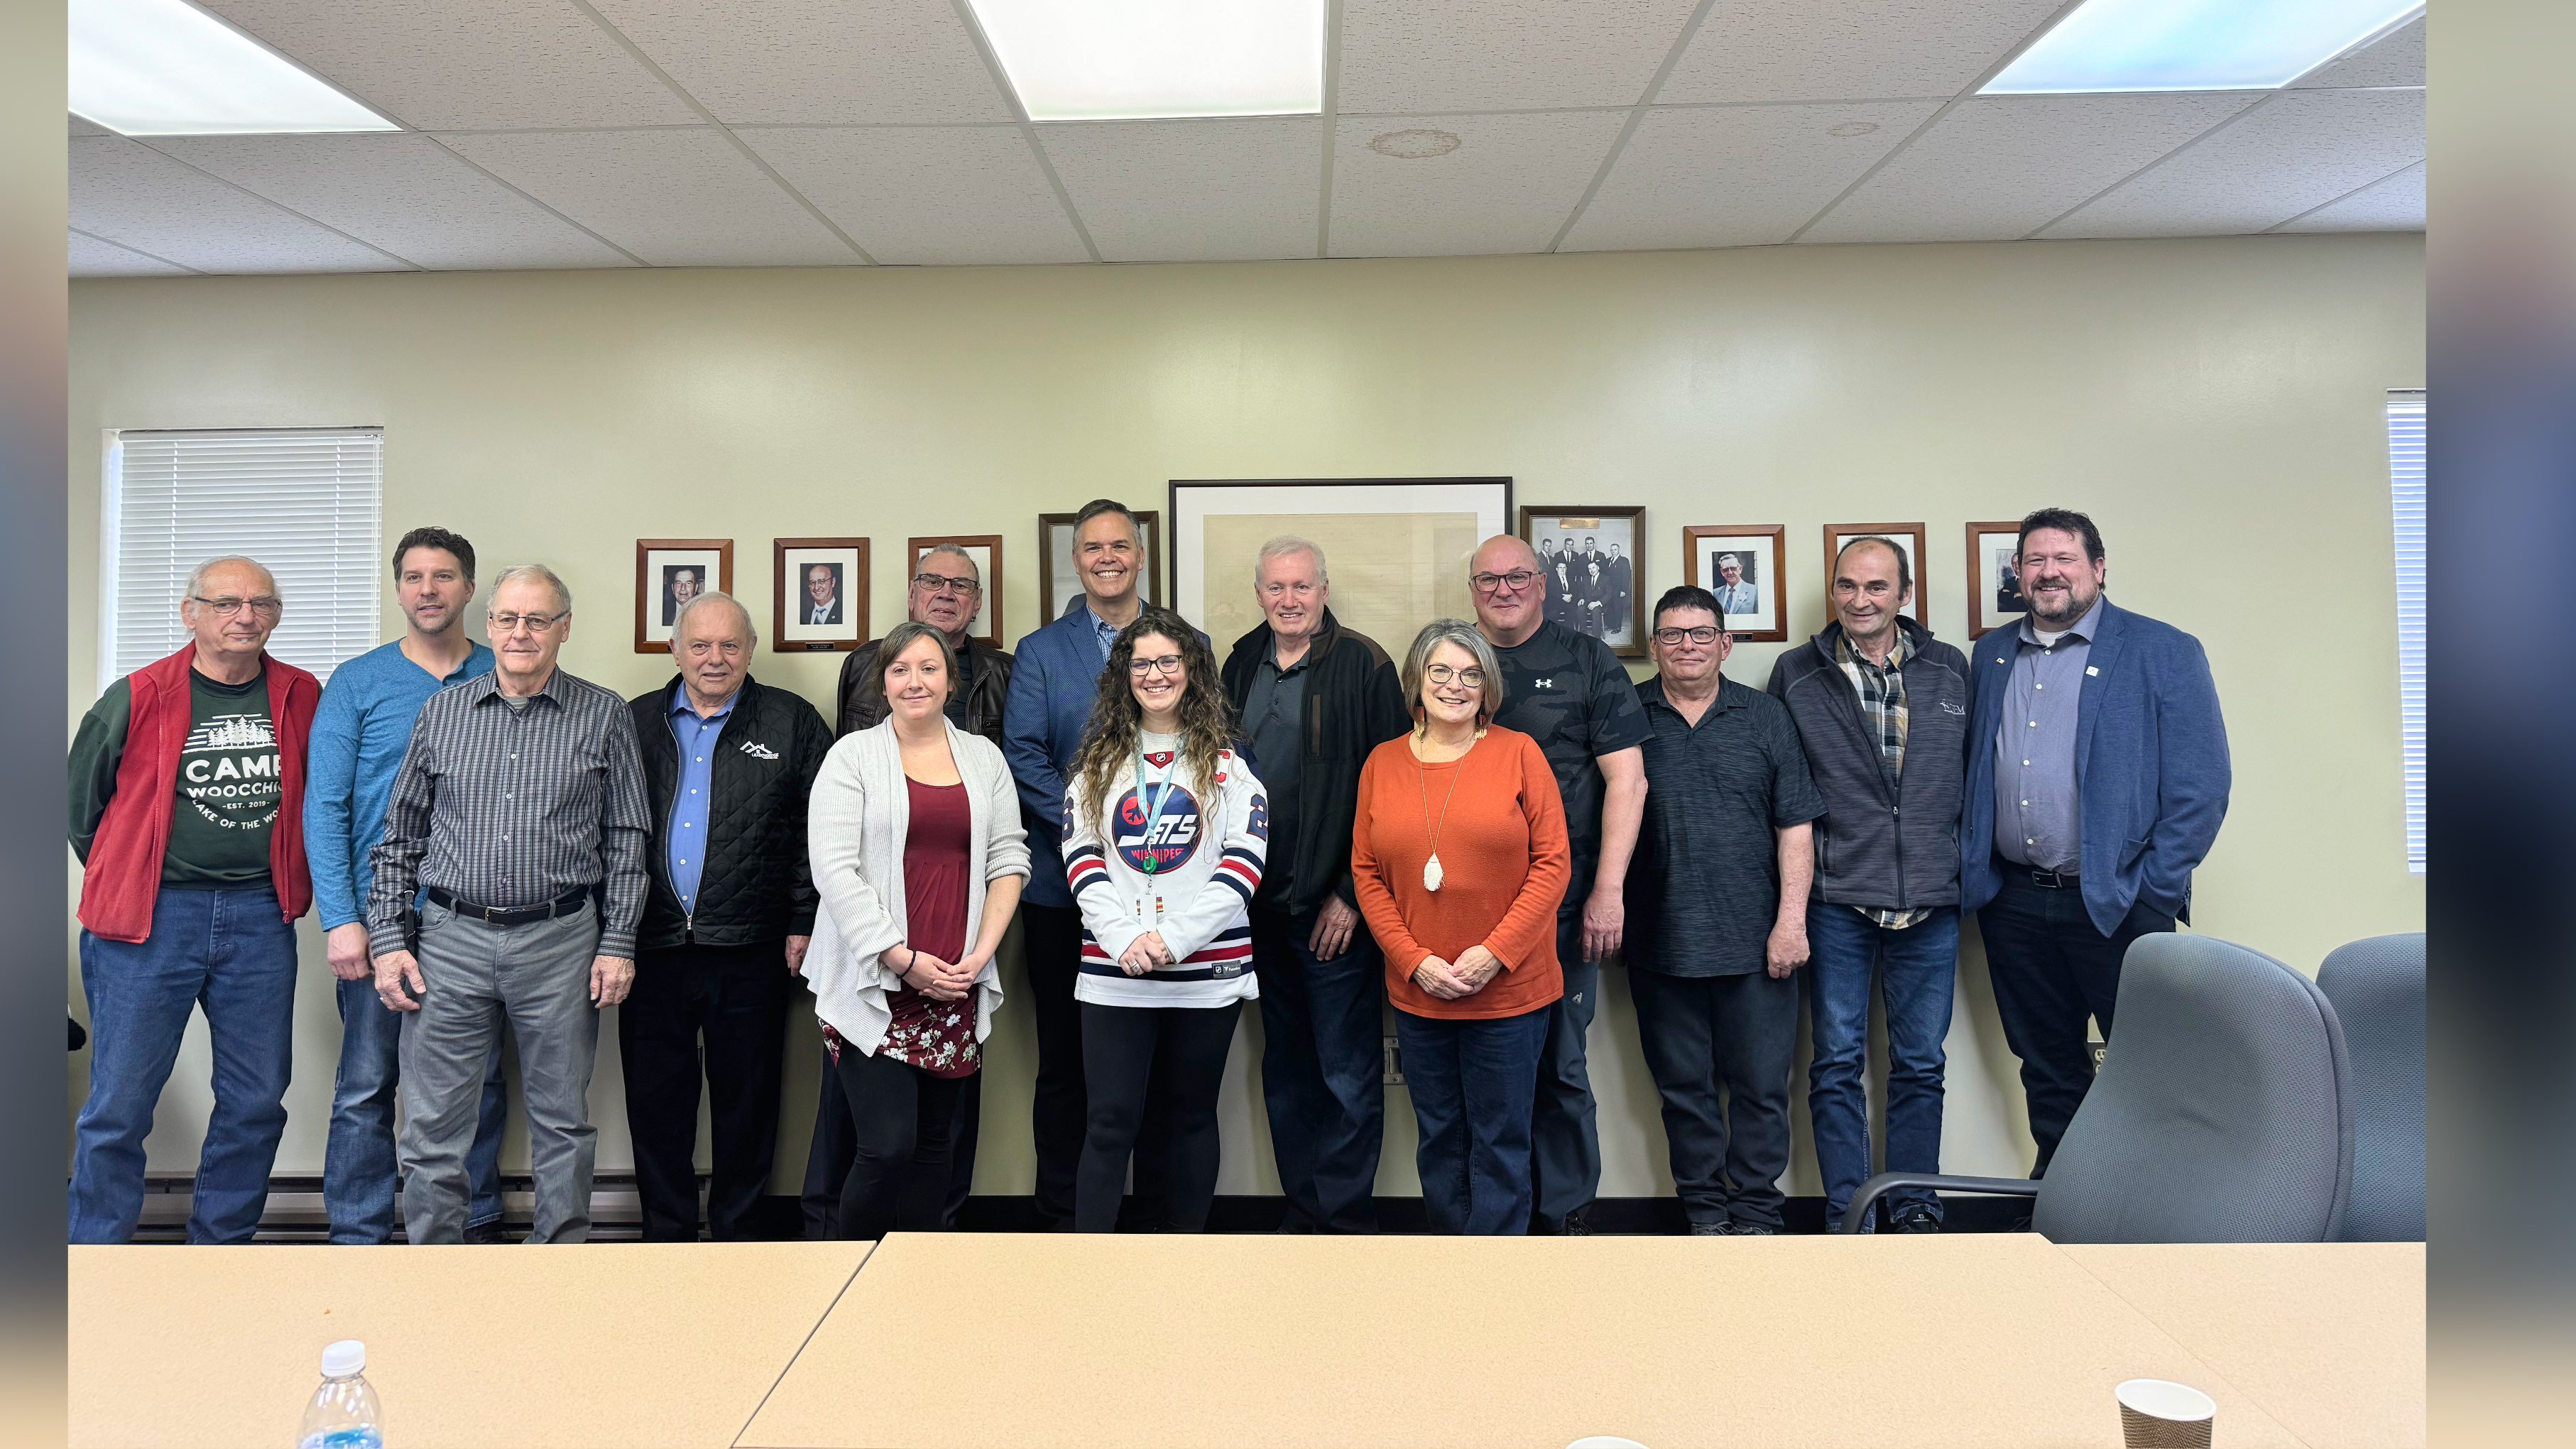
x=2097 y=778
x=1055 y=680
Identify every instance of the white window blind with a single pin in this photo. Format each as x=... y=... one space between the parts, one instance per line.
x=2406 y=502
x=305 y=502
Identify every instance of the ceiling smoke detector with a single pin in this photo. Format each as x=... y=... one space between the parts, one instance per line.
x=1418 y=144
x=1852 y=128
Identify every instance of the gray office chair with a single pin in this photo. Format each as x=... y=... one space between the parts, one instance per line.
x=2223 y=1112
x=2377 y=987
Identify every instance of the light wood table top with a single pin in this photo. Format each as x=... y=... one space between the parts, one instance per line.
x=2327 y=1337
x=613 y=1344
x=1064 y=1342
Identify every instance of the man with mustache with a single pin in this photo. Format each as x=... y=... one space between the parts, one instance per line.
x=2097 y=778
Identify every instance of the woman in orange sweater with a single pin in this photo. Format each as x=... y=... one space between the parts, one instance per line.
x=1459 y=860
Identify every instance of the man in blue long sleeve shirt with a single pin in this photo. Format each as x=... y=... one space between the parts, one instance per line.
x=359 y=736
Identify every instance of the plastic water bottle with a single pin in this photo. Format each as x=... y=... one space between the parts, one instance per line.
x=344 y=1413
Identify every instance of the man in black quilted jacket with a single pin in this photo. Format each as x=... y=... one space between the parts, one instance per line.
x=728 y=763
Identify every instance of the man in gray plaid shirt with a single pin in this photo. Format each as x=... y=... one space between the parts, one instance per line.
x=1882 y=709
x=519 y=825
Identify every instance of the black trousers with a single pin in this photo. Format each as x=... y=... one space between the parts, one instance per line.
x=903 y=1137
x=1059 y=1109
x=835 y=1144
x=735 y=998
x=1739 y=1033
x=1173 y=1056
x=2052 y=967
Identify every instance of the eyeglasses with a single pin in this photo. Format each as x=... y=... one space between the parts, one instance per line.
x=1701 y=635
x=266 y=606
x=943 y=584
x=1515 y=581
x=1470 y=676
x=537 y=623
x=1168 y=664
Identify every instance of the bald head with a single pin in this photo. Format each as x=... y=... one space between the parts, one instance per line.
x=1508 y=588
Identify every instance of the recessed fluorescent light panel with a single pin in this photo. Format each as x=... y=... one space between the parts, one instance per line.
x=166 y=68
x=1121 y=60
x=2193 y=45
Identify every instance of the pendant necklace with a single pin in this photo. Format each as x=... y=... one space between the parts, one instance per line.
x=1431 y=872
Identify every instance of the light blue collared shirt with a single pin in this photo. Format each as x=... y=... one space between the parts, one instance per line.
x=687 y=850
x=1107 y=632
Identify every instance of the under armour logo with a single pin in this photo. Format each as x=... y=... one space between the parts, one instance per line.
x=1548 y=683
x=758 y=751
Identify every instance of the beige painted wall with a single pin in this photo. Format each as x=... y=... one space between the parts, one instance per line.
x=2214 y=404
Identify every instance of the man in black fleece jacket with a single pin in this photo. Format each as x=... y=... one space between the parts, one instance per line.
x=1882 y=708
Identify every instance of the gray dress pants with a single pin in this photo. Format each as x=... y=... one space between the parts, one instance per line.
x=537 y=976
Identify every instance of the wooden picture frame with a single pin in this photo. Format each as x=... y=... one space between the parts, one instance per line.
x=791 y=627
x=1603 y=599
x=1059 y=590
x=660 y=586
x=986 y=550
x=1396 y=550
x=1993 y=582
x=1907 y=536
x=1763 y=556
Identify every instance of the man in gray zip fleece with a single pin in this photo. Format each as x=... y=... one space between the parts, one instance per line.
x=1882 y=709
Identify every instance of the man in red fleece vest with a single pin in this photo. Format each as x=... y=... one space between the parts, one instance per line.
x=187 y=811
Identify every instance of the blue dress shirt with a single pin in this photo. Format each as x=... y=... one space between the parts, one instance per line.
x=686 y=851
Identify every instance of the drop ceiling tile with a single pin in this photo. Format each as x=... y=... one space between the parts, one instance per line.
x=927 y=195
x=1509 y=184
x=1998 y=169
x=91 y=257
x=2299 y=151
x=2397 y=60
x=128 y=193
x=817 y=62
x=676 y=198
x=1846 y=50
x=83 y=127
x=2395 y=203
x=1193 y=191
x=403 y=192
x=466 y=64
x=1727 y=176
x=1407 y=56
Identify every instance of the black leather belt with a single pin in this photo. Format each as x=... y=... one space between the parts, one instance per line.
x=2050 y=880
x=563 y=905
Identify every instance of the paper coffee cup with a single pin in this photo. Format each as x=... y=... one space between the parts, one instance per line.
x=1605 y=1441
x=2157 y=1414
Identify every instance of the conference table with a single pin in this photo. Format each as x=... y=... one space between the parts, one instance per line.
x=1005 y=1341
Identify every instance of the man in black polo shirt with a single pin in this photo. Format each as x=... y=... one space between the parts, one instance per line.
x=1719 y=925
x=1567 y=691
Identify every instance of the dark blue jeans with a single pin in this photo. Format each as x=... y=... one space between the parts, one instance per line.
x=1472 y=1084
x=359 y=1178
x=1701 y=1034
x=1915 y=971
x=1565 y=1128
x=2051 y=969
x=230 y=954
x=1323 y=1070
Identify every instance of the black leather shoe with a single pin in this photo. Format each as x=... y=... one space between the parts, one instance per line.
x=1917 y=1219
x=485 y=1233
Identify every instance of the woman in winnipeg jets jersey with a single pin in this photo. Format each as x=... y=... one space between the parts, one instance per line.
x=1164 y=836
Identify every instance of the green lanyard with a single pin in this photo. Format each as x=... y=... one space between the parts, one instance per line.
x=1154 y=811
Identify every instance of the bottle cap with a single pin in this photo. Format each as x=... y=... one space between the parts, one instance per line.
x=344 y=1358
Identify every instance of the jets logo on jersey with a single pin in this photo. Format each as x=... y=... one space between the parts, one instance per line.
x=1169 y=838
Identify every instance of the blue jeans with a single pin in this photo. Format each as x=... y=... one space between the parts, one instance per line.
x=1916 y=970
x=229 y=953
x=1323 y=1070
x=1473 y=1084
x=359 y=1178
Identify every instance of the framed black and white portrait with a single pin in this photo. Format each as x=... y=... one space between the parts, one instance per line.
x=822 y=603
x=668 y=573
x=1741 y=563
x=1596 y=582
x=1994 y=580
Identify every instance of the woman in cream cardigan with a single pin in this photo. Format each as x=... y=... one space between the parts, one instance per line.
x=919 y=856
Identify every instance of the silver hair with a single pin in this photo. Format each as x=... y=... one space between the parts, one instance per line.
x=547 y=576
x=958 y=552
x=1464 y=635
x=1286 y=545
x=680 y=618
x=197 y=580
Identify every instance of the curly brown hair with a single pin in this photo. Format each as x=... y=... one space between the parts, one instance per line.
x=1109 y=740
